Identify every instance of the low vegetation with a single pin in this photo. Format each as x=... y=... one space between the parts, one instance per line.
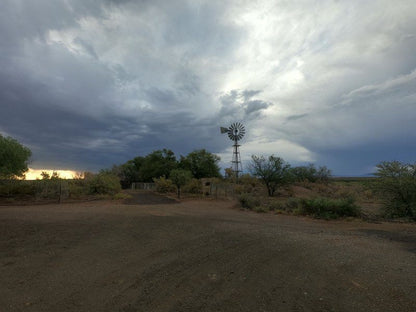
x=272 y=185
x=54 y=188
x=328 y=208
x=396 y=186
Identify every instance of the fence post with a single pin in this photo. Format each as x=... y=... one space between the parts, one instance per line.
x=60 y=191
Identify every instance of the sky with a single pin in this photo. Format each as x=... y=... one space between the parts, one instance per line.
x=86 y=84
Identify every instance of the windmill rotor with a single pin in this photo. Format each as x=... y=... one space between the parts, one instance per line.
x=236 y=131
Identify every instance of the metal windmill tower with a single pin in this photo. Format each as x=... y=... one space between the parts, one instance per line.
x=235 y=132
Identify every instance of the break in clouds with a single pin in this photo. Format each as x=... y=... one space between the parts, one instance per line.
x=88 y=84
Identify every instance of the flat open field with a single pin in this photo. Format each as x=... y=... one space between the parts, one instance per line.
x=152 y=254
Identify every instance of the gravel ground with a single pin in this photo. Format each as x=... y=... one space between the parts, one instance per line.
x=199 y=256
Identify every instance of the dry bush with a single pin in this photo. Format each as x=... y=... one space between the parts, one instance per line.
x=194 y=186
x=164 y=185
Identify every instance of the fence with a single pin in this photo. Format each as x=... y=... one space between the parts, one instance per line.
x=36 y=189
x=219 y=190
x=143 y=186
x=209 y=188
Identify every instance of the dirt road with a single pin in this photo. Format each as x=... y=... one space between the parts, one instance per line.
x=199 y=256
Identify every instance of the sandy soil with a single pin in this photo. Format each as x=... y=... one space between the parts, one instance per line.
x=163 y=255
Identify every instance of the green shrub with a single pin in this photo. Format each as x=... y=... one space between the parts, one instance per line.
x=239 y=189
x=275 y=205
x=103 y=183
x=47 y=188
x=17 y=188
x=164 y=185
x=248 y=201
x=311 y=174
x=293 y=203
x=396 y=184
x=260 y=209
x=193 y=187
x=249 y=180
x=78 y=188
x=328 y=208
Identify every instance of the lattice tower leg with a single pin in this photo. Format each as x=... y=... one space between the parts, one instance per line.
x=236 y=161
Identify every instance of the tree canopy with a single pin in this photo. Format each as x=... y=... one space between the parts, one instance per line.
x=311 y=173
x=397 y=185
x=180 y=177
x=157 y=164
x=201 y=163
x=160 y=163
x=273 y=171
x=14 y=158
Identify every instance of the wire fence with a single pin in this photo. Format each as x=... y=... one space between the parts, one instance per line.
x=143 y=186
x=58 y=190
x=219 y=190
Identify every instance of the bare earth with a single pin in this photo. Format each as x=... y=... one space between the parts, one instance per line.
x=154 y=254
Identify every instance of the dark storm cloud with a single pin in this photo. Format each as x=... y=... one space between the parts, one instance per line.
x=90 y=83
x=73 y=109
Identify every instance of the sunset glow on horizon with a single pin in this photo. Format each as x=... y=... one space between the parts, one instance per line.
x=33 y=174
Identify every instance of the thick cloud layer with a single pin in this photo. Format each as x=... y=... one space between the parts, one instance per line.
x=86 y=84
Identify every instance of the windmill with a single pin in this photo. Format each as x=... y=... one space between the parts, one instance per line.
x=235 y=132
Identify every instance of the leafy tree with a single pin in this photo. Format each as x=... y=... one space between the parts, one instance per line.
x=180 y=177
x=14 y=158
x=164 y=185
x=273 y=171
x=311 y=174
x=55 y=176
x=397 y=185
x=103 y=183
x=201 y=163
x=129 y=172
x=45 y=175
x=229 y=173
x=323 y=174
x=157 y=164
x=304 y=173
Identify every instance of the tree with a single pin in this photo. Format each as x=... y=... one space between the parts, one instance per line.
x=201 y=163
x=397 y=185
x=180 y=177
x=273 y=171
x=323 y=174
x=157 y=164
x=45 y=175
x=103 y=183
x=14 y=158
x=304 y=173
x=229 y=173
x=311 y=174
x=55 y=176
x=129 y=172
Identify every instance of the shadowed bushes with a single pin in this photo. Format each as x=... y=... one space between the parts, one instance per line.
x=396 y=184
x=248 y=201
x=104 y=183
x=328 y=208
x=164 y=185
